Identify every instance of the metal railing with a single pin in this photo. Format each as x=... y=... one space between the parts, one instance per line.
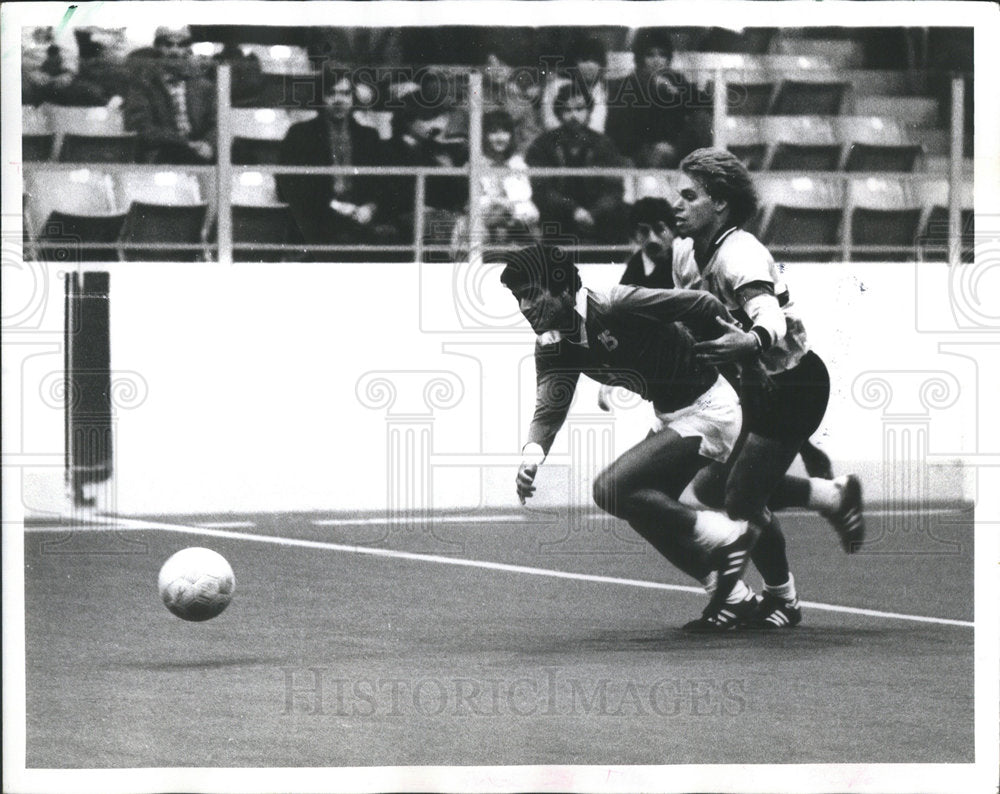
x=220 y=215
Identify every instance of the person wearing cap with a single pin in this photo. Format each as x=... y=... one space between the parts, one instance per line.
x=170 y=105
x=655 y=116
x=642 y=340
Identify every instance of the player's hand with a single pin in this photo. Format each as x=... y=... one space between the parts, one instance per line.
x=734 y=344
x=604 y=398
x=525 y=481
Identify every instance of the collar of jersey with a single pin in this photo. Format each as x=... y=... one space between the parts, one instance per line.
x=551 y=337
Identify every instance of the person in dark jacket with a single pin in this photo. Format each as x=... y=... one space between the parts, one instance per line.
x=587 y=208
x=655 y=116
x=335 y=209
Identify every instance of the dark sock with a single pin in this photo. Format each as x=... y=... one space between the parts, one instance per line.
x=791 y=492
x=769 y=555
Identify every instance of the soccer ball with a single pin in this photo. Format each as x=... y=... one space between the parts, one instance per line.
x=196 y=584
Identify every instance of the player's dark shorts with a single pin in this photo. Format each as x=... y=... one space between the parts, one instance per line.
x=796 y=406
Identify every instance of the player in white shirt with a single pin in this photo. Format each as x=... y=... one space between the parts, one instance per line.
x=716 y=197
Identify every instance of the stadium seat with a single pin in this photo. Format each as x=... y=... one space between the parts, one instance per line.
x=163 y=224
x=158 y=187
x=256 y=151
x=80 y=192
x=57 y=238
x=261 y=224
x=933 y=196
x=37 y=147
x=804 y=157
x=800 y=214
x=869 y=129
x=749 y=98
x=884 y=212
x=260 y=123
x=287 y=91
x=99 y=148
x=883 y=157
x=797 y=98
x=280 y=58
x=34 y=120
x=838 y=53
x=746 y=140
x=254 y=189
x=752 y=155
x=910 y=110
x=98 y=120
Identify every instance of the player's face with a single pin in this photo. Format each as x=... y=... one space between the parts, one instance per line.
x=545 y=311
x=339 y=99
x=575 y=113
x=655 y=240
x=695 y=211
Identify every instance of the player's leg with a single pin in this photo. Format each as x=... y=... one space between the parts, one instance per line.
x=816 y=461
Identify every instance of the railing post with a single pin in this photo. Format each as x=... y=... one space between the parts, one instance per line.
x=224 y=167
x=418 y=216
x=477 y=231
x=719 y=110
x=955 y=172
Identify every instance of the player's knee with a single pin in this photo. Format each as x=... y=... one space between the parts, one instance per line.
x=604 y=492
x=740 y=507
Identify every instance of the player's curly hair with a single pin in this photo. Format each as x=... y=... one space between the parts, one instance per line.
x=724 y=178
x=540 y=266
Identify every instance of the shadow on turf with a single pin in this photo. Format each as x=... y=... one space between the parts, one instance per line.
x=202 y=664
x=801 y=636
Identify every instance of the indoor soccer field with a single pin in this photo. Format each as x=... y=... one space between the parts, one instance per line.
x=483 y=639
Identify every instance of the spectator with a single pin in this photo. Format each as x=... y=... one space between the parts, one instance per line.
x=655 y=116
x=518 y=92
x=652 y=228
x=588 y=208
x=103 y=74
x=506 y=196
x=340 y=209
x=586 y=60
x=247 y=76
x=419 y=138
x=170 y=105
x=47 y=80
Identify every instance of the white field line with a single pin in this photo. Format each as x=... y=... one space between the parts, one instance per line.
x=116 y=524
x=226 y=524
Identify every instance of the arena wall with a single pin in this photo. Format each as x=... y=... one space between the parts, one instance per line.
x=409 y=388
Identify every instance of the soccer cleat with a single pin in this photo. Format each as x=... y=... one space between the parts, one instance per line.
x=723 y=617
x=776 y=613
x=730 y=563
x=848 y=520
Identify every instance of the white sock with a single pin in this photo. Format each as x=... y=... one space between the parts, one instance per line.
x=739 y=593
x=712 y=529
x=823 y=494
x=785 y=591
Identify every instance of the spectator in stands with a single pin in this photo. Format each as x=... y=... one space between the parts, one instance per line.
x=419 y=139
x=340 y=209
x=47 y=80
x=588 y=208
x=102 y=75
x=170 y=105
x=517 y=91
x=506 y=196
x=586 y=60
x=246 y=74
x=652 y=228
x=655 y=116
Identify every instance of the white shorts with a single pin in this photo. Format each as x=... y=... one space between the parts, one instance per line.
x=716 y=416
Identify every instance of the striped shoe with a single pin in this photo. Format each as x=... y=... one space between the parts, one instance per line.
x=723 y=617
x=848 y=520
x=776 y=613
x=730 y=562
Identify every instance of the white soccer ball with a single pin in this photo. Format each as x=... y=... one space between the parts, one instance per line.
x=196 y=584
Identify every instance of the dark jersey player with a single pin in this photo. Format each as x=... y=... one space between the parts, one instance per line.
x=716 y=196
x=642 y=339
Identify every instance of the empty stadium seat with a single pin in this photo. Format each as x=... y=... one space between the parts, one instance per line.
x=911 y=110
x=838 y=53
x=280 y=58
x=800 y=213
x=157 y=187
x=256 y=151
x=58 y=237
x=261 y=123
x=797 y=98
x=261 y=224
x=934 y=230
x=883 y=157
x=752 y=155
x=884 y=212
x=97 y=120
x=164 y=225
x=99 y=148
x=254 y=189
x=745 y=98
x=284 y=91
x=80 y=192
x=869 y=129
x=37 y=147
x=804 y=157
x=34 y=120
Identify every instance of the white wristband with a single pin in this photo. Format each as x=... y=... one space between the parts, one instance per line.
x=532 y=454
